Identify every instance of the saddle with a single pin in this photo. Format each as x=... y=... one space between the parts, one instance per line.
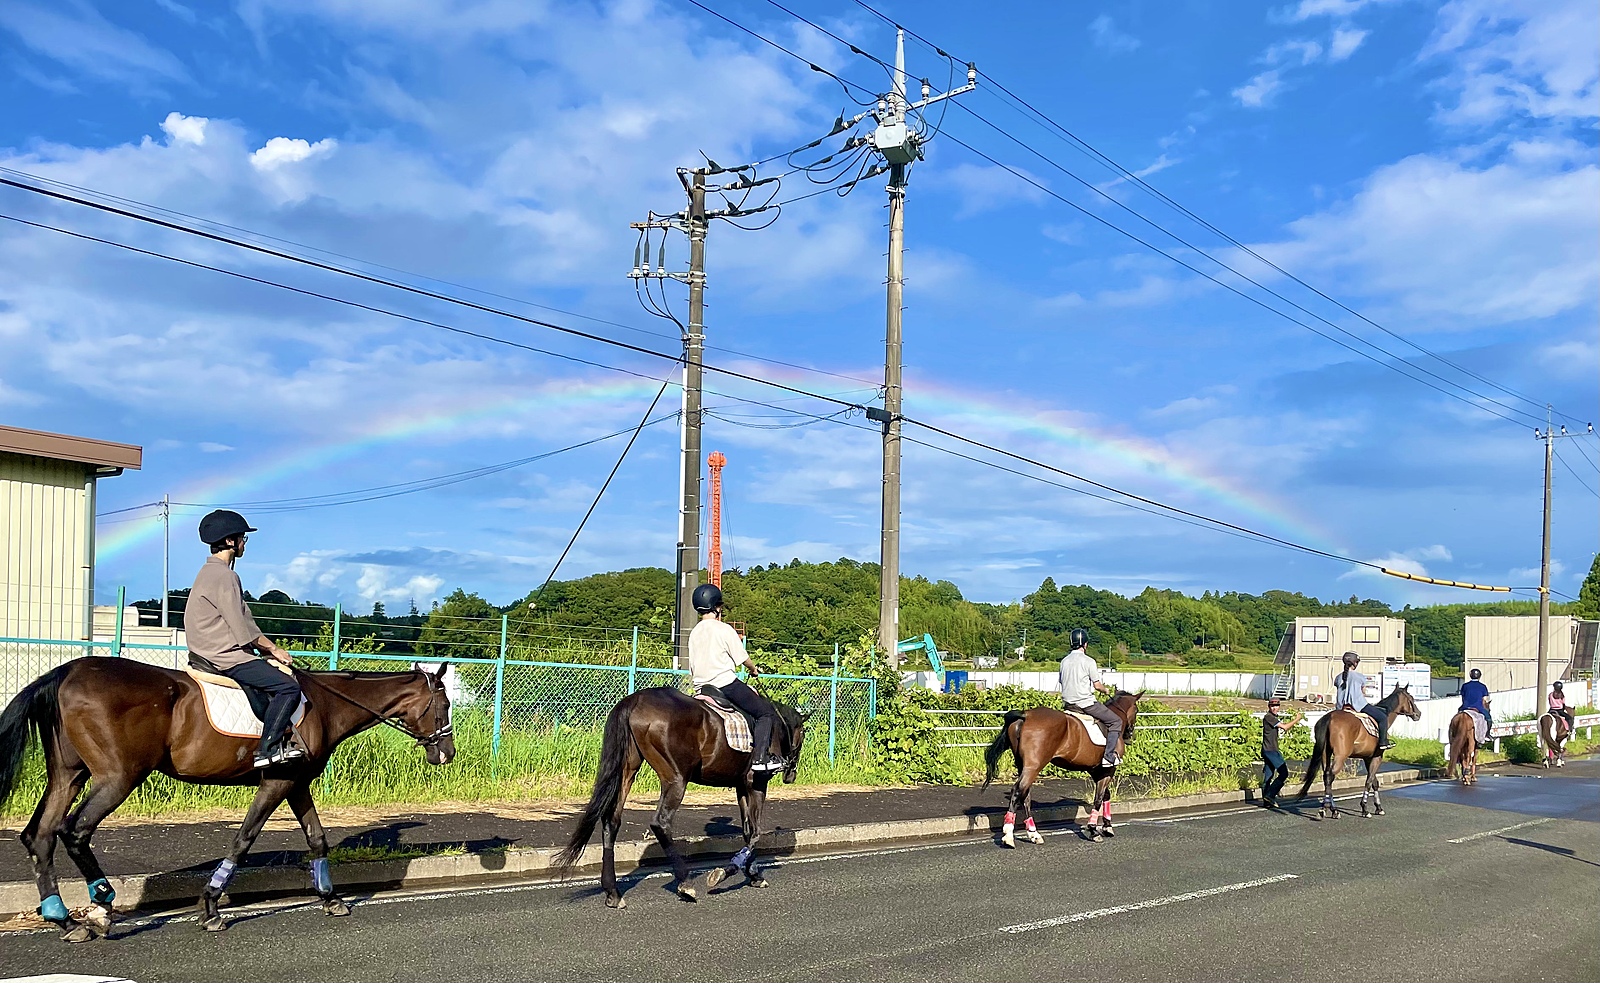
x=1097 y=733
x=1366 y=721
x=232 y=709
x=735 y=722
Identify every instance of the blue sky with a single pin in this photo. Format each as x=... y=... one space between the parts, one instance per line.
x=1429 y=165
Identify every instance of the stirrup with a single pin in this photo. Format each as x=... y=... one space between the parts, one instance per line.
x=282 y=755
x=770 y=764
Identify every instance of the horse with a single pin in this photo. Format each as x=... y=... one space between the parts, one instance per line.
x=683 y=742
x=1043 y=736
x=1553 y=734
x=1341 y=736
x=116 y=721
x=1463 y=748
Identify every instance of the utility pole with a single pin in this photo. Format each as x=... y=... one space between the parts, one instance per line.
x=1542 y=679
x=166 y=555
x=900 y=144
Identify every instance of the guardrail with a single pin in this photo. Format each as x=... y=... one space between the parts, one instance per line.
x=1513 y=728
x=1233 y=724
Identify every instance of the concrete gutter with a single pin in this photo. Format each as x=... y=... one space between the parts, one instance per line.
x=160 y=890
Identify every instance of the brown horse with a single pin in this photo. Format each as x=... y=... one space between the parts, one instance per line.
x=117 y=721
x=683 y=742
x=1044 y=736
x=1553 y=734
x=1463 y=749
x=1340 y=737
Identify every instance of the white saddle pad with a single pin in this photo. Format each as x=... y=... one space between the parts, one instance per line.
x=1480 y=726
x=734 y=726
x=1097 y=733
x=228 y=708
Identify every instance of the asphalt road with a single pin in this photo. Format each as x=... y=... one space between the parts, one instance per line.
x=1495 y=883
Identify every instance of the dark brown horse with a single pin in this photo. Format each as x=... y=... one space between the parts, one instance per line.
x=683 y=743
x=1340 y=737
x=1045 y=736
x=1463 y=748
x=116 y=721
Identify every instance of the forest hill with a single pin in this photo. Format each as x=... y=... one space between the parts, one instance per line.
x=809 y=606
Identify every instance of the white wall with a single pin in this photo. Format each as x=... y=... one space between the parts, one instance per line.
x=1223 y=683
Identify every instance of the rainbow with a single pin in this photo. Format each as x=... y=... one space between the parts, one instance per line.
x=963 y=410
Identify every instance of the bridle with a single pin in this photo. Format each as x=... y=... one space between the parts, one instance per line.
x=424 y=741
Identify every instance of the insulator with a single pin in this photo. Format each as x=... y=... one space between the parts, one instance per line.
x=661 y=257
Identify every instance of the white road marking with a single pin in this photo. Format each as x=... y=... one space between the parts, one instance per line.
x=1084 y=916
x=1503 y=829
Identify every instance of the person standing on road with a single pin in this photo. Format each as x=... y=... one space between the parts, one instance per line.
x=715 y=654
x=1080 y=680
x=223 y=636
x=1274 y=771
x=1475 y=697
x=1349 y=690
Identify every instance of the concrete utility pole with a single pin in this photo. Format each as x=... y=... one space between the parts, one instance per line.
x=1542 y=679
x=694 y=342
x=900 y=145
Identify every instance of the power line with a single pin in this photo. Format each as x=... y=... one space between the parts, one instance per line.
x=1083 y=146
x=1575 y=476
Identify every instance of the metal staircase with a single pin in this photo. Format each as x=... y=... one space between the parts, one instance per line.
x=1283 y=681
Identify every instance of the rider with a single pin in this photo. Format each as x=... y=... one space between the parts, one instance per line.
x=715 y=654
x=1080 y=680
x=223 y=636
x=1558 y=706
x=1348 y=690
x=1475 y=696
x=1276 y=770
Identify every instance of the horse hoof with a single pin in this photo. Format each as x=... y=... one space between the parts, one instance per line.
x=756 y=880
x=1035 y=837
x=215 y=923
x=617 y=902
x=716 y=877
x=688 y=893
x=1008 y=842
x=1106 y=829
x=98 y=921
x=335 y=908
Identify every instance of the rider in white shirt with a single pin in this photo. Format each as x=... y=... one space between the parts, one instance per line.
x=1080 y=680
x=715 y=654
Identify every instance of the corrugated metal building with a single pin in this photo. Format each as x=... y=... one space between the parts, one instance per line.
x=1506 y=649
x=47 y=507
x=1315 y=648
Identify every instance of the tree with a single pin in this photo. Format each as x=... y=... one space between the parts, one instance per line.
x=1588 y=605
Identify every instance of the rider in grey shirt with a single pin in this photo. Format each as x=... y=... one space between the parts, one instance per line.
x=1080 y=680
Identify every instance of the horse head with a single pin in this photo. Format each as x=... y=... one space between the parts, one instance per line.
x=1126 y=706
x=424 y=712
x=795 y=721
x=1405 y=704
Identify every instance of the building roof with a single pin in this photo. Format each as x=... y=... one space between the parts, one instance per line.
x=62 y=447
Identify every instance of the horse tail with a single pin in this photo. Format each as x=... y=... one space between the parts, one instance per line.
x=997 y=747
x=33 y=709
x=607 y=783
x=1317 y=755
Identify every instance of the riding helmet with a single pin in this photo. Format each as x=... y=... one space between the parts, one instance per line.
x=1080 y=638
x=221 y=524
x=1350 y=658
x=1476 y=673
x=707 y=598
x=1558 y=684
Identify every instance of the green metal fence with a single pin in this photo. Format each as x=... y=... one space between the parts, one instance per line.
x=517 y=693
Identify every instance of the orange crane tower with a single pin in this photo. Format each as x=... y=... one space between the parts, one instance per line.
x=716 y=462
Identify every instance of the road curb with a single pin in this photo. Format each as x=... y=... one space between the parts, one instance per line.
x=152 y=890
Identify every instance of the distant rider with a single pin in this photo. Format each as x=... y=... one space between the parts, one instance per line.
x=1080 y=681
x=1276 y=770
x=1558 y=706
x=1349 y=690
x=1475 y=696
x=715 y=654
x=223 y=636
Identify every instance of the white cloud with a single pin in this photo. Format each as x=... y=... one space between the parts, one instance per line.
x=1345 y=42
x=1258 y=92
x=1106 y=36
x=1308 y=9
x=1510 y=240
x=1410 y=561
x=79 y=37
x=212 y=447
x=1295 y=51
x=185 y=129
x=1511 y=58
x=285 y=150
x=985 y=187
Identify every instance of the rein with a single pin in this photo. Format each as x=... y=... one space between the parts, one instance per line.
x=431 y=740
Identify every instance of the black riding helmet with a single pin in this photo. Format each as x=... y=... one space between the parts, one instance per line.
x=1079 y=638
x=707 y=598
x=1476 y=673
x=1350 y=658
x=221 y=524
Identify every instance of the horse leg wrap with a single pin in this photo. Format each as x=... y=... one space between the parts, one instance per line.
x=743 y=856
x=1011 y=823
x=101 y=892
x=321 y=877
x=220 y=877
x=53 y=909
x=1029 y=824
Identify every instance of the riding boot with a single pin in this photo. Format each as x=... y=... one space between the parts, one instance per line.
x=761 y=742
x=274 y=729
x=1383 y=732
